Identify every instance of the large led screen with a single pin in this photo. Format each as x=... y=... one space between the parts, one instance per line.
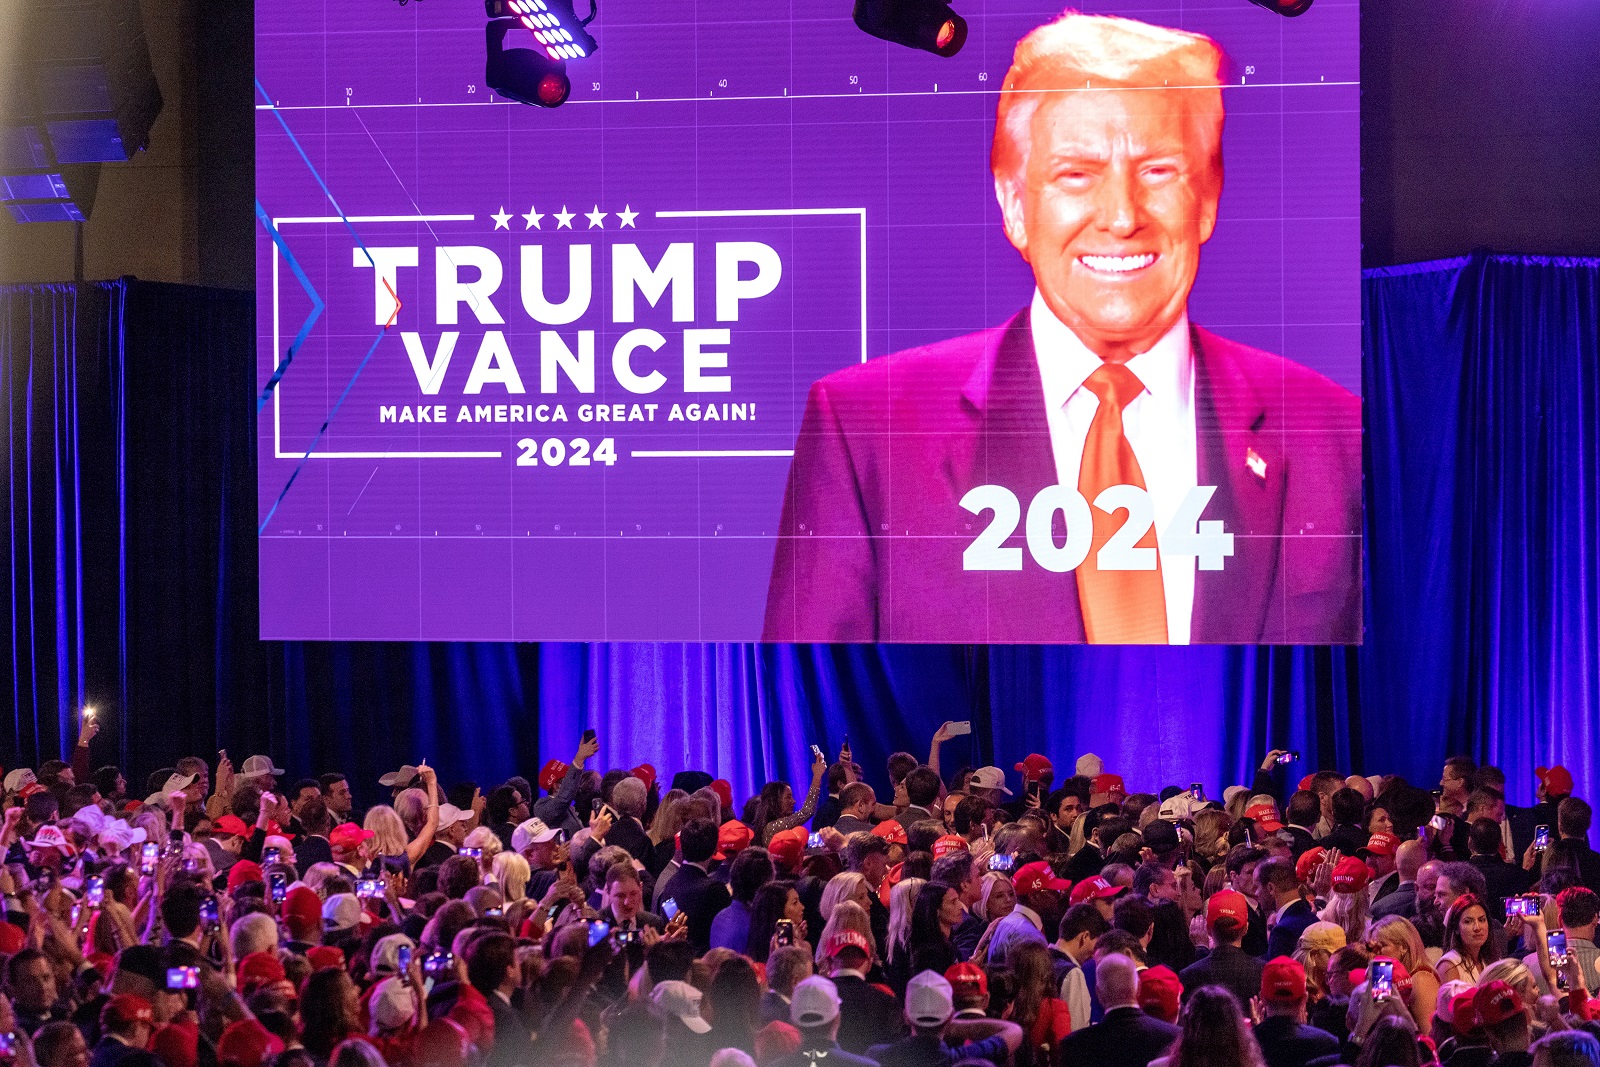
x=777 y=330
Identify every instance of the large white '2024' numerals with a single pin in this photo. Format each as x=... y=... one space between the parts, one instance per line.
x=1186 y=535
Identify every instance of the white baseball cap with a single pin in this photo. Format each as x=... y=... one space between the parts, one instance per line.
x=385 y=957
x=392 y=1004
x=682 y=1000
x=815 y=1002
x=177 y=782
x=20 y=778
x=259 y=766
x=989 y=778
x=343 y=911
x=1090 y=766
x=449 y=815
x=928 y=1000
x=531 y=832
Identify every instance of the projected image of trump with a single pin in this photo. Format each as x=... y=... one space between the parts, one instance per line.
x=1039 y=481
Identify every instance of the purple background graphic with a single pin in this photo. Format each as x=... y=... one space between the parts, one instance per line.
x=690 y=107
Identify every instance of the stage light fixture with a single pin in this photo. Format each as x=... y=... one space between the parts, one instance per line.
x=553 y=23
x=929 y=25
x=1287 y=8
x=525 y=75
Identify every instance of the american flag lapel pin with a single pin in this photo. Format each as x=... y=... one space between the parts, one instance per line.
x=1257 y=465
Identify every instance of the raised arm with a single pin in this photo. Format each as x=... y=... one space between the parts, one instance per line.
x=424 y=838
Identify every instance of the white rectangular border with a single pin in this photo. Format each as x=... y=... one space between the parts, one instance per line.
x=277 y=340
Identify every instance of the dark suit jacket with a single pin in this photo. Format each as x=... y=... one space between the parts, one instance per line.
x=309 y=850
x=1286 y=1043
x=1401 y=902
x=1126 y=1037
x=513 y=1041
x=1286 y=935
x=113 y=1053
x=630 y=835
x=1502 y=880
x=1227 y=967
x=700 y=898
x=870 y=545
x=867 y=1015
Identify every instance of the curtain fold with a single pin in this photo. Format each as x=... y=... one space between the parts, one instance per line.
x=129 y=578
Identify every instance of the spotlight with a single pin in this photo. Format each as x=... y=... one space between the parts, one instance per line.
x=926 y=24
x=1287 y=8
x=523 y=74
x=553 y=24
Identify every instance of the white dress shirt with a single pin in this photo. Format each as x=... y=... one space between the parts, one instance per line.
x=1159 y=424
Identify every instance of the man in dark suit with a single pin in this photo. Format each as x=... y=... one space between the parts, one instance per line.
x=1278 y=892
x=1102 y=381
x=126 y=1023
x=696 y=893
x=867 y=1014
x=1285 y=1038
x=1227 y=920
x=1126 y=1036
x=1402 y=901
x=1500 y=878
x=629 y=798
x=492 y=969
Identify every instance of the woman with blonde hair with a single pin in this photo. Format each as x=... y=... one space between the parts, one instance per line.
x=389 y=830
x=511 y=874
x=897 y=953
x=847 y=885
x=847 y=915
x=1318 y=942
x=1211 y=826
x=1396 y=937
x=998 y=897
x=488 y=844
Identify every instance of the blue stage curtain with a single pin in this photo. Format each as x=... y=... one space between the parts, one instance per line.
x=131 y=582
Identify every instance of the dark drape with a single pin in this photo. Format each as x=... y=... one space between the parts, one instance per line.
x=130 y=579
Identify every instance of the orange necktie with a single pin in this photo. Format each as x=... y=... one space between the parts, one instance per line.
x=1119 y=607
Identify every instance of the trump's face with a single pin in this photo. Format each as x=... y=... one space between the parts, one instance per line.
x=1114 y=202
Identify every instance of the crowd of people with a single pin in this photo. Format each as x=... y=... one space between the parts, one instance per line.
x=237 y=916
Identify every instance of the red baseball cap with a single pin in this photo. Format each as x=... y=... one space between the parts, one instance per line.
x=302 y=912
x=891 y=831
x=646 y=774
x=177 y=1044
x=788 y=847
x=246 y=1043
x=1096 y=888
x=325 y=956
x=967 y=978
x=846 y=939
x=1283 y=981
x=733 y=837
x=1035 y=767
x=1308 y=862
x=1557 y=780
x=126 y=1008
x=12 y=938
x=1464 y=1012
x=244 y=871
x=230 y=826
x=259 y=969
x=1495 y=1003
x=1228 y=905
x=891 y=878
x=1382 y=844
x=550 y=775
x=1306 y=783
x=1265 y=816
x=1033 y=877
x=1160 y=992
x=347 y=837
x=1351 y=875
x=1107 y=783
x=949 y=843
x=724 y=791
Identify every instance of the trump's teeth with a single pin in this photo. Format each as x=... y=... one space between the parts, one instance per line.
x=1117 y=264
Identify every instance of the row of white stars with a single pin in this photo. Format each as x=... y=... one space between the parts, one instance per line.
x=532 y=219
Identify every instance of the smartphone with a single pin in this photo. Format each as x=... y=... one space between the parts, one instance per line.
x=494 y=913
x=1197 y=790
x=1380 y=979
x=599 y=929
x=369 y=888
x=475 y=853
x=785 y=932
x=95 y=892
x=1440 y=823
x=669 y=908
x=1288 y=757
x=959 y=728
x=816 y=753
x=149 y=855
x=271 y=856
x=437 y=963
x=588 y=735
x=278 y=884
x=1035 y=791
x=191 y=865
x=1541 y=838
x=1557 y=942
x=77 y=915
x=1002 y=861
x=402 y=958
x=208 y=912
x=815 y=840
x=8 y=1047
x=183 y=978
x=623 y=938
